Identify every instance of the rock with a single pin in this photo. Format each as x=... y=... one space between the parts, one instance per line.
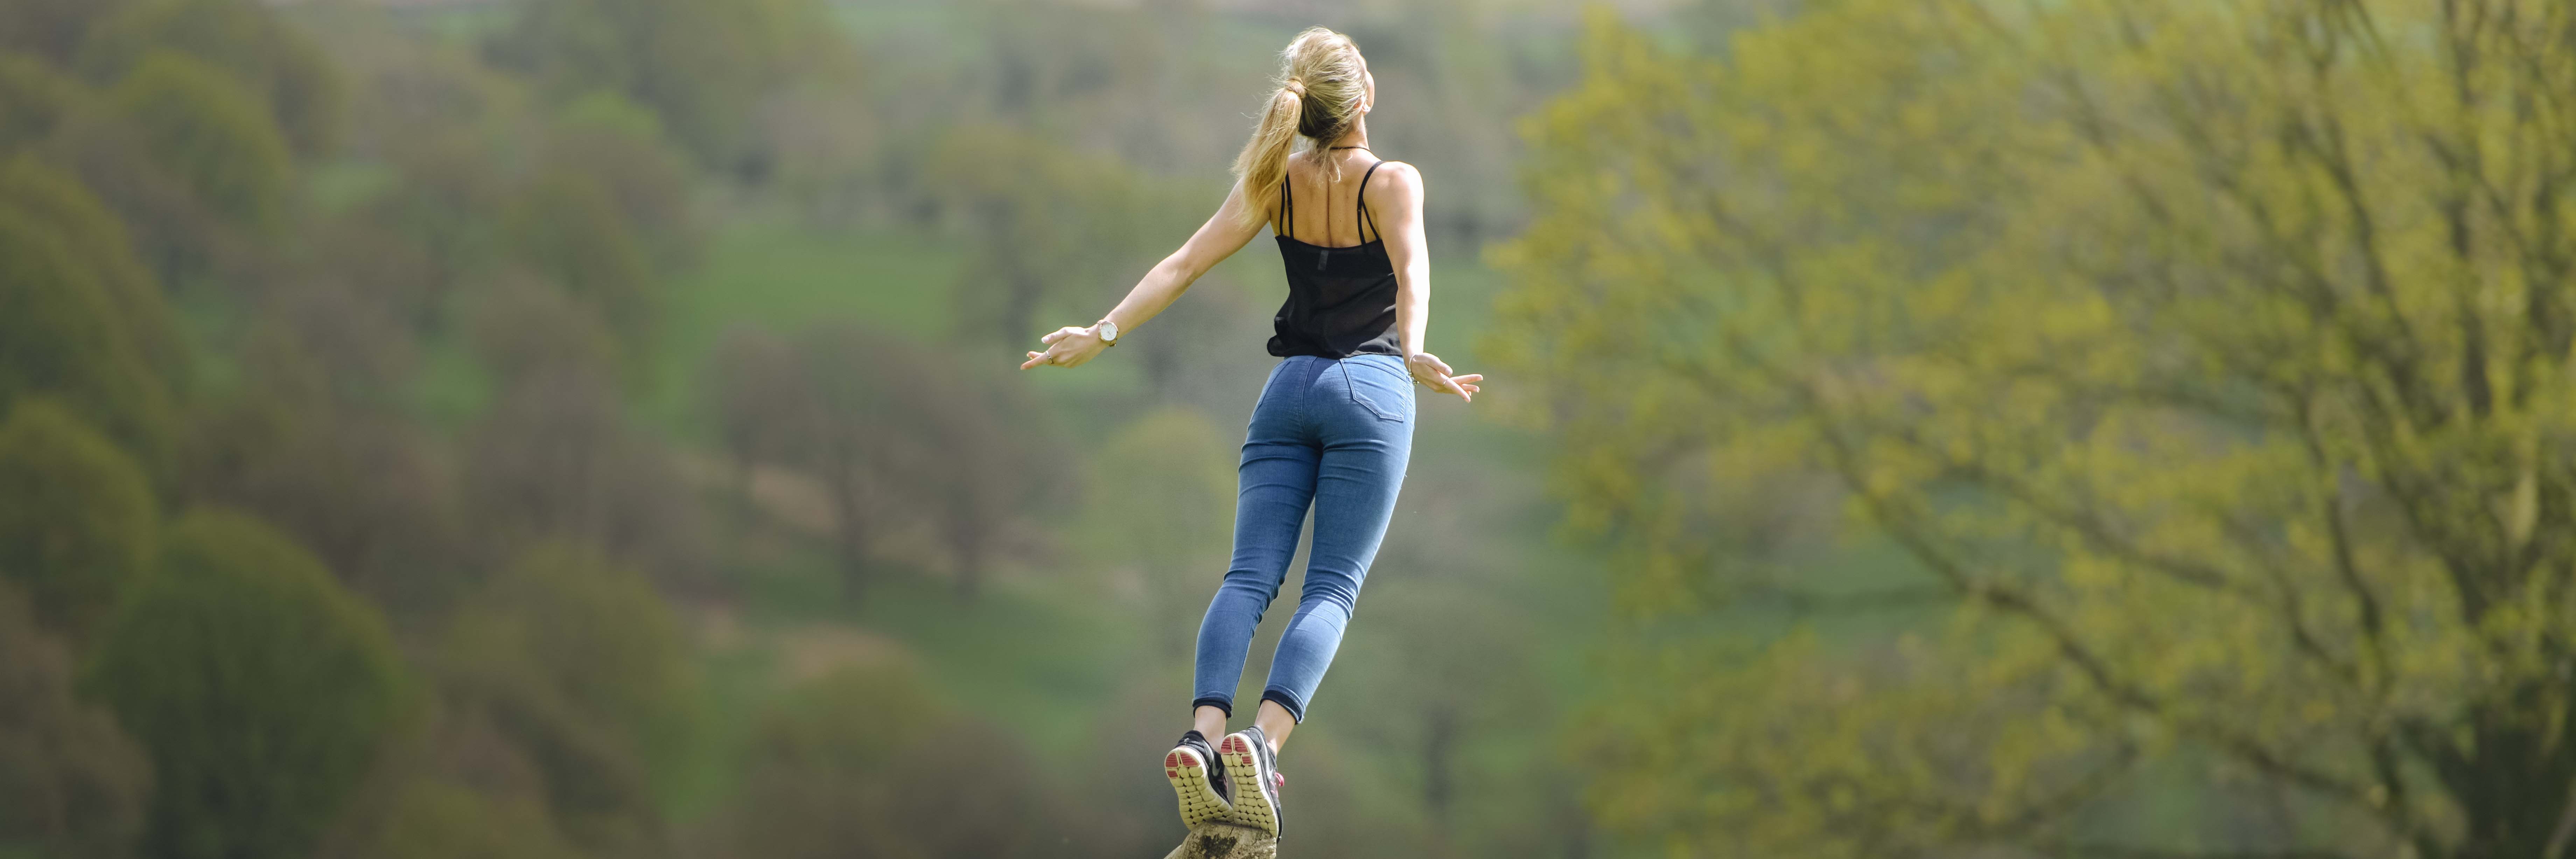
x=1226 y=841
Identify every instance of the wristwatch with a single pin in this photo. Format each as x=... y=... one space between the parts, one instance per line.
x=1107 y=330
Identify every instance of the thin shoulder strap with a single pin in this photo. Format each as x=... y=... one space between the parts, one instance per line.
x=1287 y=206
x=1363 y=195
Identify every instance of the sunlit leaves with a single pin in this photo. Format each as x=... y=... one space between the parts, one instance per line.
x=2200 y=353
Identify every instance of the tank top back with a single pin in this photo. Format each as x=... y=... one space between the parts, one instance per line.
x=1341 y=301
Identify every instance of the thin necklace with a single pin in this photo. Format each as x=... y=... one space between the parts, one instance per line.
x=1360 y=148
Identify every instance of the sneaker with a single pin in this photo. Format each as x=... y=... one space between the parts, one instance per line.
x=1254 y=769
x=1203 y=795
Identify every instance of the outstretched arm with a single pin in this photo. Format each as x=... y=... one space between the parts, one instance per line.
x=1400 y=199
x=1222 y=235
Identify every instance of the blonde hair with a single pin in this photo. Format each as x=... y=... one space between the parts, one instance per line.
x=1322 y=81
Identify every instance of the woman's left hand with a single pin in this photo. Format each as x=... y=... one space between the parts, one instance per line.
x=1434 y=373
x=1066 y=347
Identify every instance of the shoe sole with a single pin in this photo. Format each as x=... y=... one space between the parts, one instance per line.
x=1188 y=774
x=1243 y=765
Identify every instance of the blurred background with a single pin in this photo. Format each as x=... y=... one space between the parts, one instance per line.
x=1942 y=428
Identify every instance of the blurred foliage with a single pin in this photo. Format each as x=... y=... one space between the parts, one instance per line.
x=262 y=690
x=562 y=675
x=33 y=99
x=604 y=213
x=77 y=517
x=704 y=66
x=556 y=458
x=899 y=439
x=1041 y=219
x=200 y=125
x=71 y=783
x=433 y=820
x=2202 y=369
x=1159 y=516
x=94 y=237
x=286 y=73
x=870 y=762
x=64 y=334
x=52 y=29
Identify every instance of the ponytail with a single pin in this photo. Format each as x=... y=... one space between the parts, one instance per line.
x=1321 y=85
x=1264 y=162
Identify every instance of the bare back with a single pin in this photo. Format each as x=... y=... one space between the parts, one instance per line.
x=1324 y=210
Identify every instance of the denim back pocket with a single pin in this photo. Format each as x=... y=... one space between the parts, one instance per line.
x=1379 y=384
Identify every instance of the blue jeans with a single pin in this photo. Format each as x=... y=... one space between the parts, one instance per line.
x=1334 y=434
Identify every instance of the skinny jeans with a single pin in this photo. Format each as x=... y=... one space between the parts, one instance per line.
x=1330 y=434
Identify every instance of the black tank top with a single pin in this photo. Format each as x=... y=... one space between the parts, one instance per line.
x=1341 y=301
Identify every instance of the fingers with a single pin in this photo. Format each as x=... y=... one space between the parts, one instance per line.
x=1035 y=358
x=1447 y=380
x=1451 y=385
x=1059 y=334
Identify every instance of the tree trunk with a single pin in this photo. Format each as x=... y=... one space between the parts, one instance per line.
x=850 y=523
x=1226 y=841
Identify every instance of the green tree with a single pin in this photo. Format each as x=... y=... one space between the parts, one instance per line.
x=756 y=394
x=706 y=67
x=606 y=213
x=62 y=329
x=34 y=98
x=71 y=783
x=2206 y=362
x=580 y=668
x=200 y=125
x=77 y=517
x=316 y=436
x=434 y=819
x=98 y=240
x=872 y=762
x=53 y=29
x=555 y=456
x=862 y=398
x=1048 y=228
x=568 y=227
x=1158 y=510
x=262 y=690
x=622 y=145
x=901 y=436
x=286 y=72
x=989 y=466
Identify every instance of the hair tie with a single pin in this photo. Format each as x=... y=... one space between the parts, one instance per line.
x=1296 y=86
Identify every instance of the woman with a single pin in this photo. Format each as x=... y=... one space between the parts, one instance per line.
x=1334 y=424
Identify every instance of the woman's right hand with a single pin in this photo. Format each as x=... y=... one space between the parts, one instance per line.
x=1067 y=347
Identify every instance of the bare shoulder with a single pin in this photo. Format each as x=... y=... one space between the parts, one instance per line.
x=1396 y=183
x=1401 y=174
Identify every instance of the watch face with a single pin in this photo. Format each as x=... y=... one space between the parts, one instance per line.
x=1108 y=331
